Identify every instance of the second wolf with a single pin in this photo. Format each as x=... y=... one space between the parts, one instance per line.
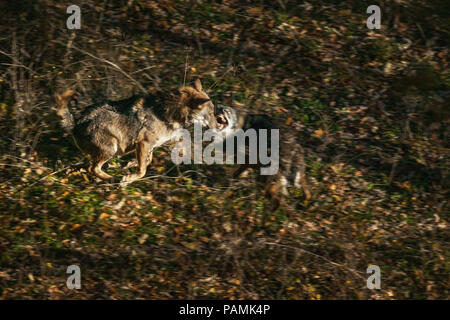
x=291 y=154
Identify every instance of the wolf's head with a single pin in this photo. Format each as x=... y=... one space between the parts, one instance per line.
x=227 y=119
x=195 y=106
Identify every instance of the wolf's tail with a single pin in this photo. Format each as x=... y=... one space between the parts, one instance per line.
x=62 y=110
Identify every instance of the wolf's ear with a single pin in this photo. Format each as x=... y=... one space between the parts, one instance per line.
x=187 y=91
x=198 y=85
x=192 y=98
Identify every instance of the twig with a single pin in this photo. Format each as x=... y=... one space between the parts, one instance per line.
x=21 y=66
x=185 y=69
x=149 y=67
x=111 y=64
x=220 y=78
x=49 y=175
x=357 y=273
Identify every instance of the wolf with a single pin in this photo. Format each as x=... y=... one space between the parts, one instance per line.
x=291 y=163
x=139 y=124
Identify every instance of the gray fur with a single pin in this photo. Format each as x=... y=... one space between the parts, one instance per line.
x=140 y=123
x=292 y=164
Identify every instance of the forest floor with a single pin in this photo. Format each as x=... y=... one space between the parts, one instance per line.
x=370 y=106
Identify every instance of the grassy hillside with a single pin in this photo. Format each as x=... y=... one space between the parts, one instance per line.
x=371 y=107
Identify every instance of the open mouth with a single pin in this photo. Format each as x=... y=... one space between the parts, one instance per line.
x=222 y=121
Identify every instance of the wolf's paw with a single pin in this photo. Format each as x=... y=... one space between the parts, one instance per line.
x=123 y=184
x=126 y=180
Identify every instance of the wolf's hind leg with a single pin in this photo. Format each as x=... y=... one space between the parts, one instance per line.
x=96 y=168
x=99 y=157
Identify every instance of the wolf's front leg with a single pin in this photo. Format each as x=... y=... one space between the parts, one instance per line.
x=144 y=154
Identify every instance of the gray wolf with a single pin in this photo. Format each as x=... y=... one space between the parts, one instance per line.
x=291 y=163
x=139 y=123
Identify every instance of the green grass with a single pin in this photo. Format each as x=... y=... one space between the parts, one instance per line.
x=193 y=232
